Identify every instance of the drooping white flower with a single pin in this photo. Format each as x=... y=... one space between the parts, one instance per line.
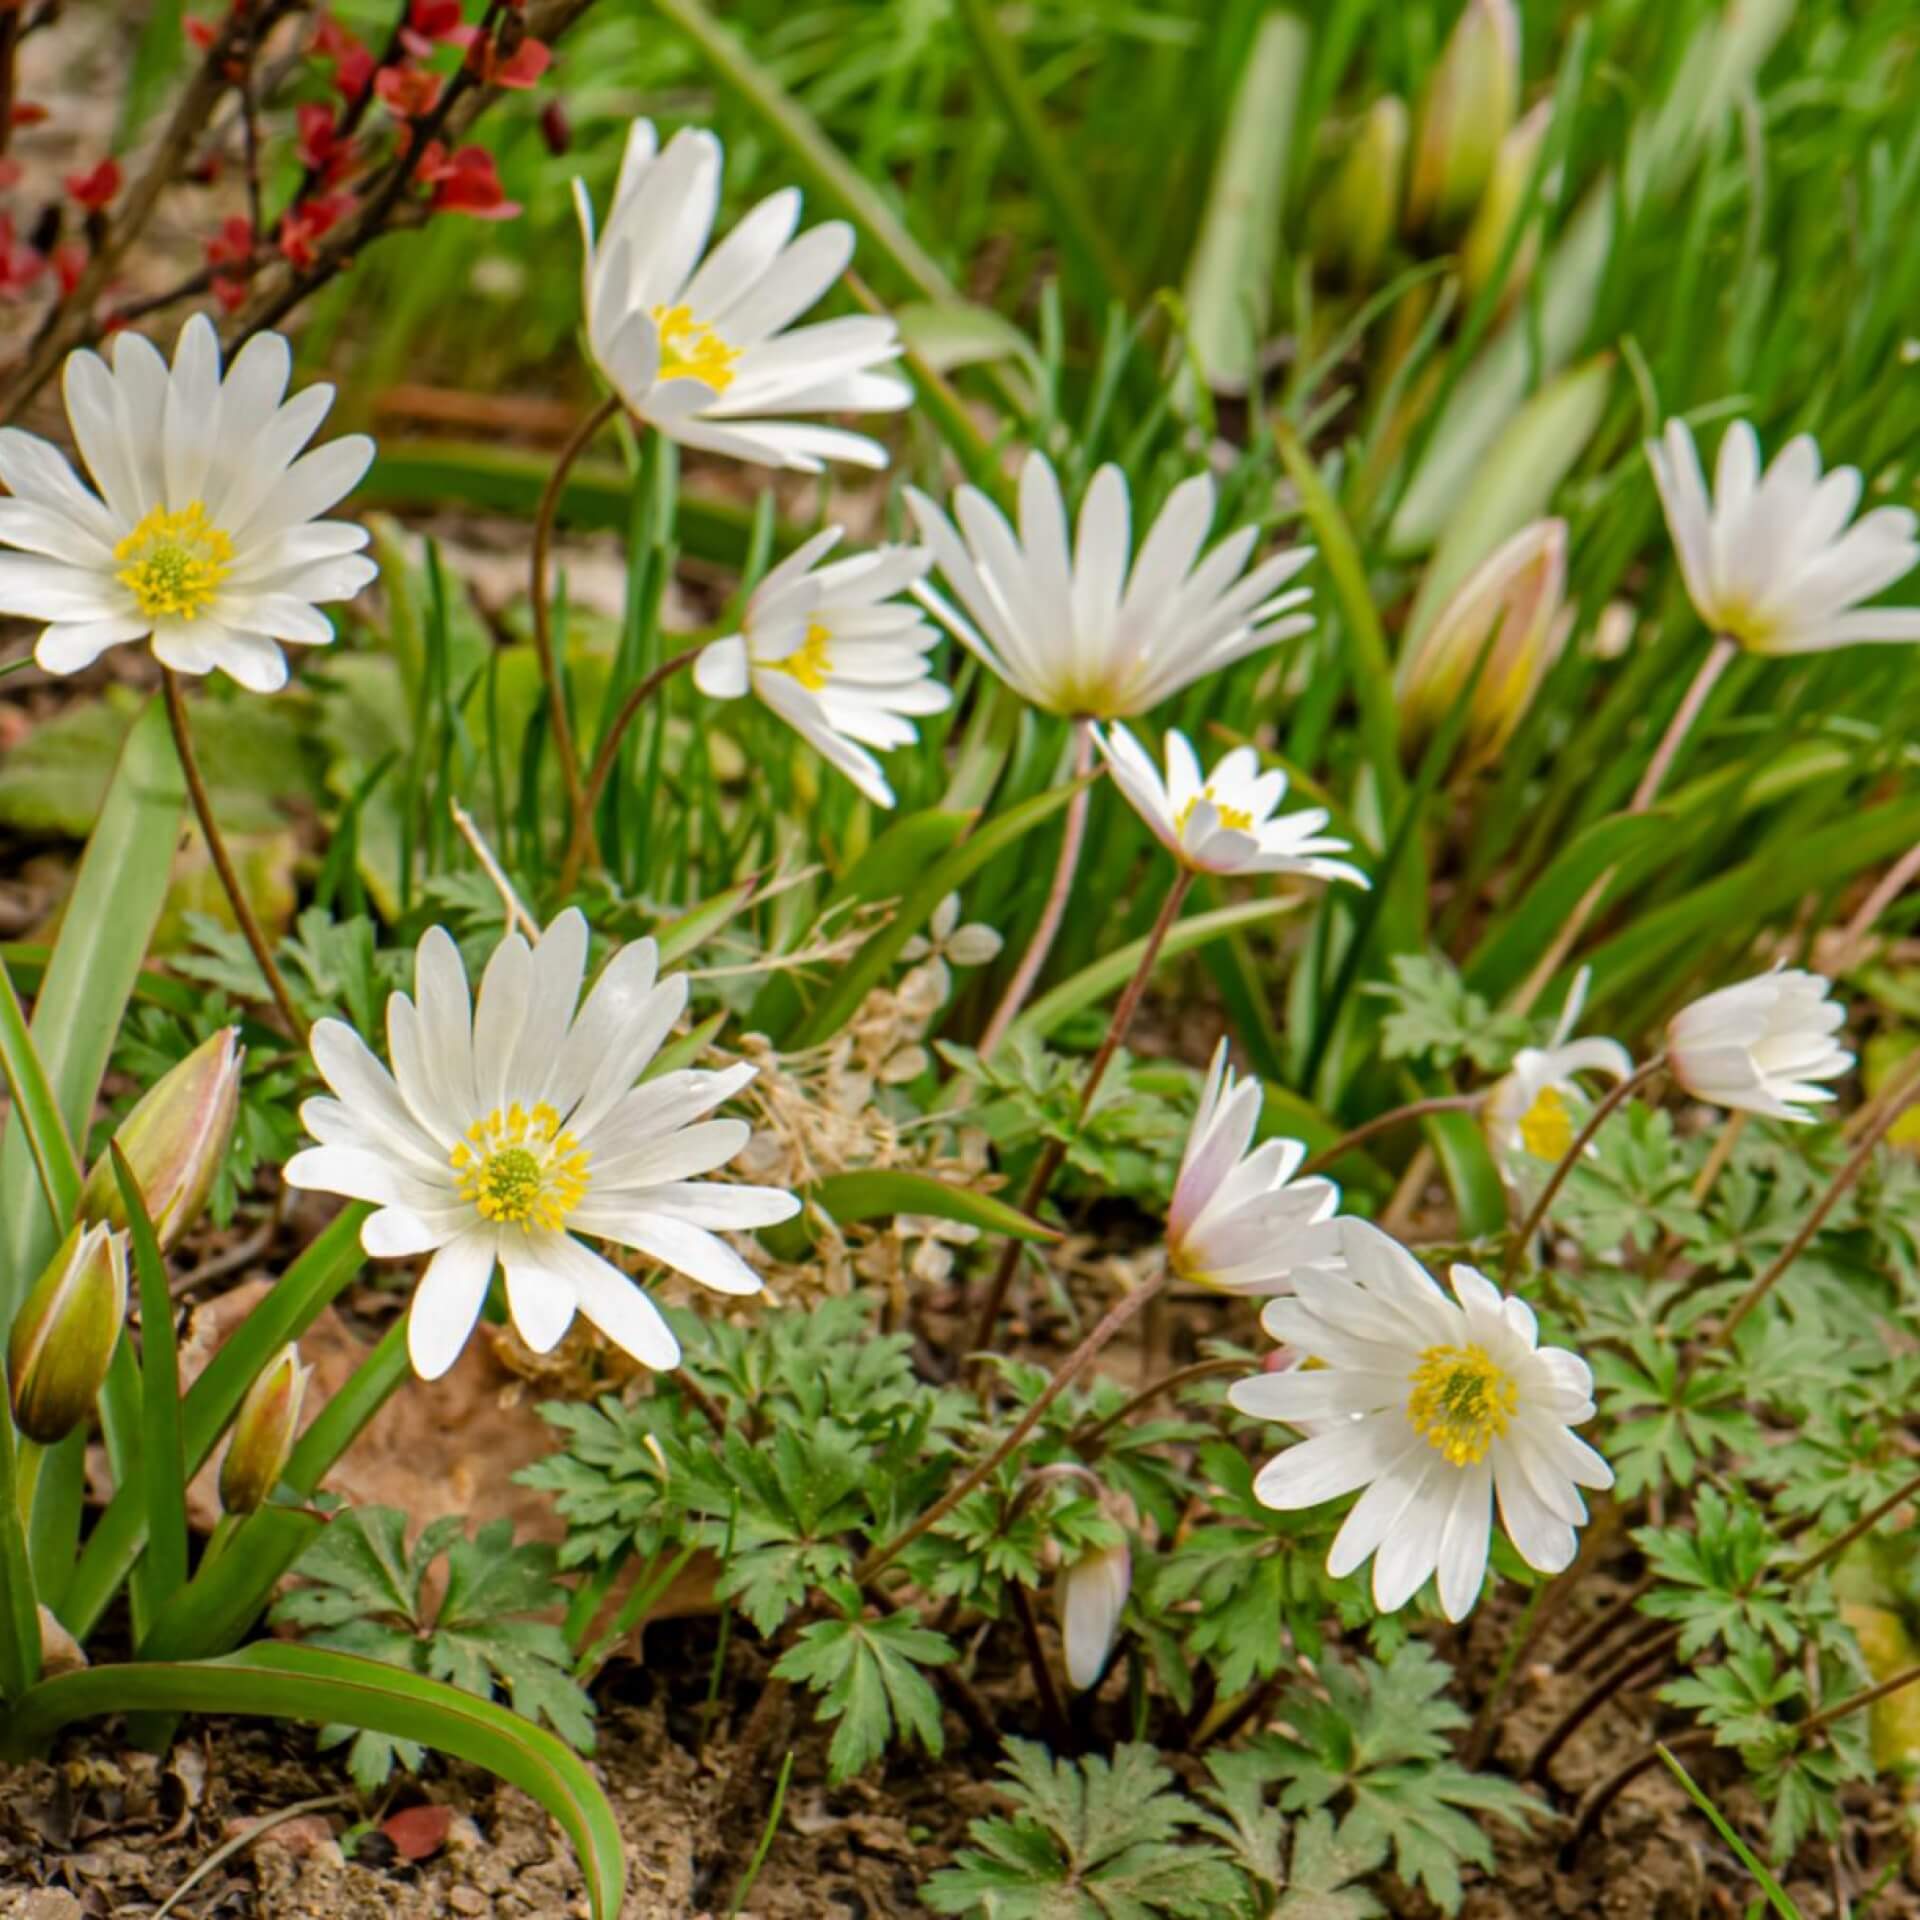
x=1070 y=626
x=199 y=534
x=1770 y=559
x=1091 y=1595
x=510 y=1124
x=835 y=656
x=1763 y=1045
x=1438 y=1408
x=1223 y=821
x=1536 y=1109
x=705 y=350
x=1239 y=1220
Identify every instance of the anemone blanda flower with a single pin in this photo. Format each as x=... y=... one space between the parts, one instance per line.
x=1075 y=630
x=835 y=655
x=1239 y=1220
x=200 y=533
x=1223 y=821
x=1769 y=558
x=510 y=1124
x=1090 y=1595
x=704 y=350
x=1538 y=1106
x=1764 y=1045
x=1438 y=1408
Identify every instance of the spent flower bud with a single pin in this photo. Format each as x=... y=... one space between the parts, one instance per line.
x=263 y=1433
x=1465 y=112
x=1511 y=606
x=174 y=1139
x=1353 y=220
x=63 y=1339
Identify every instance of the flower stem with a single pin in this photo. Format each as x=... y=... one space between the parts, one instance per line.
x=1055 y=1151
x=243 y=913
x=1613 y=1098
x=581 y=838
x=1052 y=1707
x=1044 y=935
x=1068 y=1371
x=564 y=747
x=1383 y=1122
x=1086 y=1439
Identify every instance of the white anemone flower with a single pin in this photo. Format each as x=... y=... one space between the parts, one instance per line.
x=1537 y=1108
x=1074 y=629
x=1239 y=1221
x=835 y=656
x=704 y=350
x=1091 y=1595
x=1769 y=558
x=509 y=1125
x=199 y=534
x=1438 y=1408
x=1223 y=821
x=1762 y=1046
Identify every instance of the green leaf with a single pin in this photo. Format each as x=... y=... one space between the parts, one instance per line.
x=1777 y=1897
x=1325 y=1864
x=882 y=1193
x=947 y=337
x=37 y=1112
x=867 y=1673
x=322 y=1687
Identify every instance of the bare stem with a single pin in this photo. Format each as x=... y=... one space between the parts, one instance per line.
x=1635 y=1664
x=1384 y=1122
x=1609 y=1790
x=1086 y=1438
x=243 y=913
x=1044 y=935
x=1611 y=1100
x=1052 y=1707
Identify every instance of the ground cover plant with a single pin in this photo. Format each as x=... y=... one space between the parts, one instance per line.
x=959 y=959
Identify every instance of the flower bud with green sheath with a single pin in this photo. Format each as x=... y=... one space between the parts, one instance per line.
x=263 y=1433
x=174 y=1139
x=1486 y=238
x=63 y=1339
x=1353 y=221
x=1469 y=104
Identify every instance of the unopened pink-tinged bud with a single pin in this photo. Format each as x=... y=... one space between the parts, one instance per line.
x=1091 y=1595
x=174 y=1139
x=63 y=1339
x=1469 y=104
x=263 y=1433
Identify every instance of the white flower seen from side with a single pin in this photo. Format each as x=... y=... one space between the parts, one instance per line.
x=1239 y=1220
x=1770 y=559
x=1433 y=1409
x=702 y=346
x=1763 y=1046
x=1538 y=1106
x=1223 y=821
x=1090 y=1596
x=832 y=652
x=512 y=1123
x=1079 y=625
x=199 y=534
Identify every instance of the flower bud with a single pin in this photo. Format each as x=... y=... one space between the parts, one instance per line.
x=1465 y=112
x=263 y=1433
x=174 y=1139
x=1510 y=606
x=1486 y=238
x=1091 y=1595
x=63 y=1339
x=1354 y=219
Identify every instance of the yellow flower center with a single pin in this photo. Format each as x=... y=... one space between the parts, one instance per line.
x=1238 y=818
x=691 y=350
x=1546 y=1128
x=173 y=563
x=518 y=1167
x=810 y=663
x=1461 y=1402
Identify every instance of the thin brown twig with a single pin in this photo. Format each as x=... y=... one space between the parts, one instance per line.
x=1052 y=1707
x=1383 y=1122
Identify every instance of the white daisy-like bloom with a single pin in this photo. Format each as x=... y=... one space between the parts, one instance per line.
x=1239 y=1221
x=1762 y=1046
x=1074 y=628
x=511 y=1124
x=1223 y=821
x=835 y=655
x=1769 y=558
x=199 y=533
x=1537 y=1107
x=704 y=350
x=1438 y=1408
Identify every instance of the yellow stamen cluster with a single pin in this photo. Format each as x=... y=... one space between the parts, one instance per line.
x=691 y=350
x=1461 y=1402
x=173 y=563
x=1546 y=1128
x=810 y=663
x=1238 y=818
x=520 y=1169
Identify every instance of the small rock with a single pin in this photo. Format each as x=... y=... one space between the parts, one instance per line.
x=49 y=1903
x=306 y=1833
x=469 y=1900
